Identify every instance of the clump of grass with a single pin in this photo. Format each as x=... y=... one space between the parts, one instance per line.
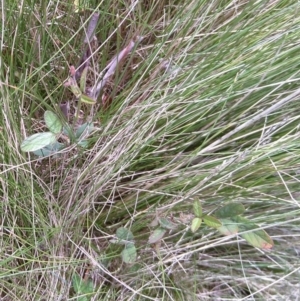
x=205 y=108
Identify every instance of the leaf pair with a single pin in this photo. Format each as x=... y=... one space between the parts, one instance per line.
x=125 y=237
x=228 y=221
x=40 y=140
x=207 y=219
x=251 y=232
x=45 y=144
x=83 y=288
x=164 y=225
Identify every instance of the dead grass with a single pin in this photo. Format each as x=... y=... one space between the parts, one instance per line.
x=187 y=115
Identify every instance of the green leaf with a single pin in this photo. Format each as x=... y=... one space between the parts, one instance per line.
x=37 y=141
x=124 y=235
x=129 y=253
x=230 y=210
x=196 y=223
x=258 y=238
x=157 y=235
x=241 y=220
x=49 y=149
x=82 y=287
x=197 y=208
x=86 y=127
x=228 y=227
x=83 y=143
x=53 y=122
x=165 y=223
x=87 y=99
x=135 y=268
x=68 y=131
x=211 y=221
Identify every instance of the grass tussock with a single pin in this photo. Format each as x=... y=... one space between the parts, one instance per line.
x=205 y=107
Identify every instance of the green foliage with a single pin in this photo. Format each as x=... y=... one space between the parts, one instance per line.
x=196 y=223
x=166 y=223
x=38 y=141
x=79 y=92
x=85 y=128
x=53 y=122
x=236 y=224
x=49 y=149
x=126 y=238
x=257 y=237
x=211 y=221
x=86 y=99
x=229 y=222
x=228 y=227
x=253 y=234
x=45 y=144
x=83 y=288
x=230 y=210
x=157 y=235
x=206 y=106
x=129 y=253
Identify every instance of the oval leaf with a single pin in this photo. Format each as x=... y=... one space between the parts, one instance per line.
x=196 y=223
x=49 y=149
x=257 y=238
x=129 y=254
x=230 y=210
x=124 y=235
x=82 y=286
x=165 y=223
x=37 y=141
x=53 y=122
x=211 y=221
x=228 y=227
x=197 y=208
x=76 y=281
x=157 y=235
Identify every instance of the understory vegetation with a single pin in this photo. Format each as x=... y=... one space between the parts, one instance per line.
x=149 y=150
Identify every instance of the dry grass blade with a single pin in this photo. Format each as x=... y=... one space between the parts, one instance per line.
x=204 y=108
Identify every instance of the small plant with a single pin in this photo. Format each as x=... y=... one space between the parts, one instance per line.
x=228 y=221
x=126 y=238
x=47 y=143
x=163 y=226
x=83 y=288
